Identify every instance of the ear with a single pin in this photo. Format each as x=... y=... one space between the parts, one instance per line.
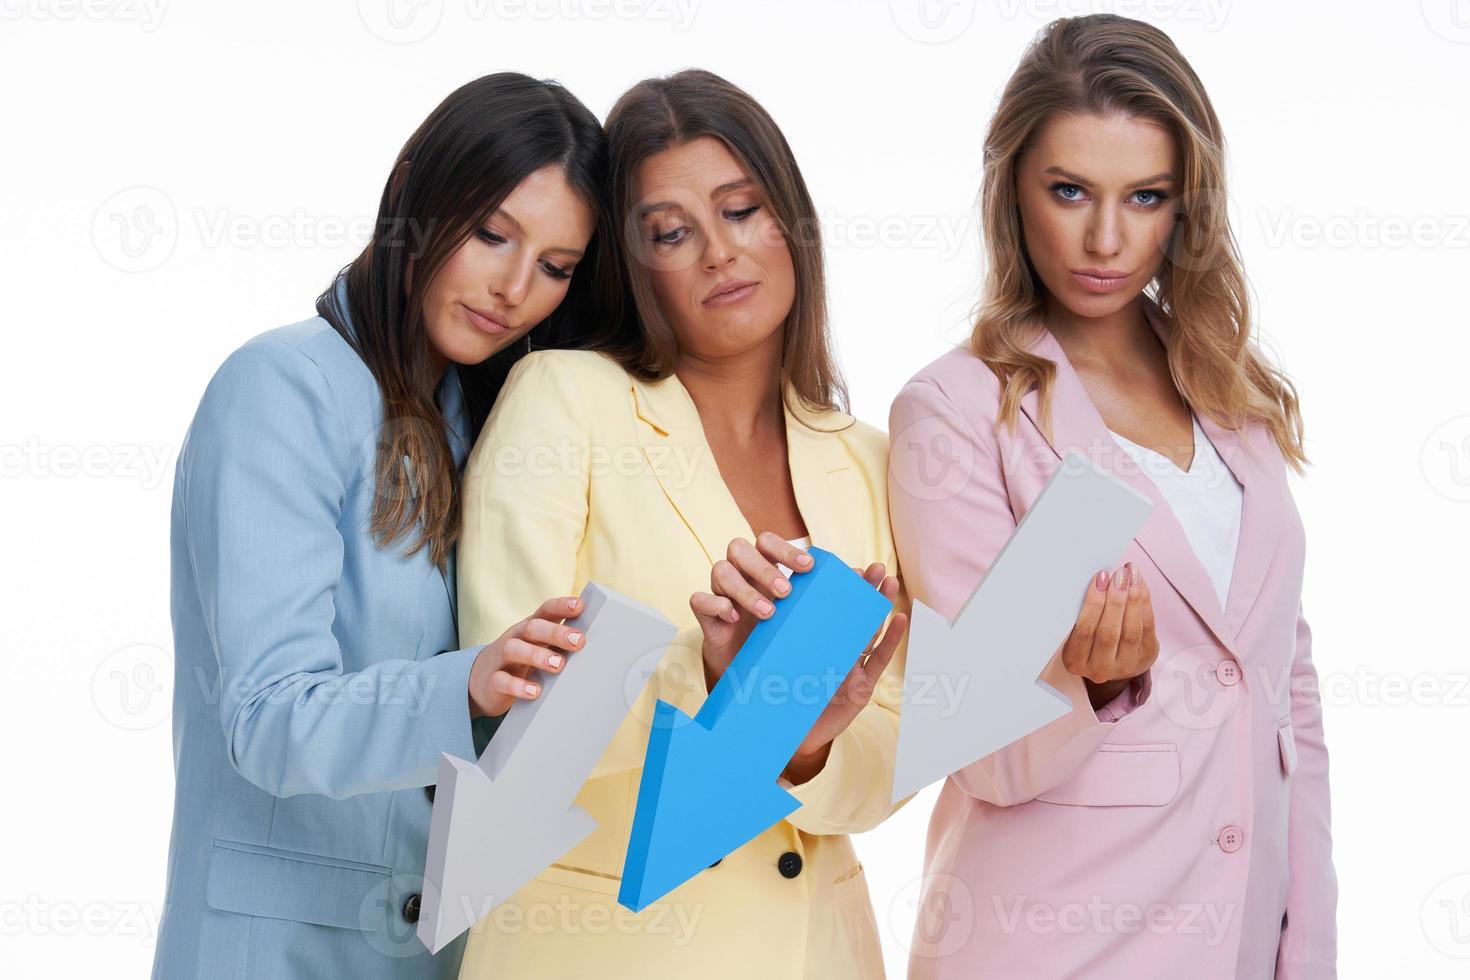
x=395 y=186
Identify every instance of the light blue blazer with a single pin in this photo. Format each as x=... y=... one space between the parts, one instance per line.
x=317 y=680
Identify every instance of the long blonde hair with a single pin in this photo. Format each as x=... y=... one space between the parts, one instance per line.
x=1104 y=64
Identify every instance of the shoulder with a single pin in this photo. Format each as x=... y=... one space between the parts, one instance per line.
x=957 y=380
x=310 y=353
x=867 y=444
x=592 y=373
x=301 y=381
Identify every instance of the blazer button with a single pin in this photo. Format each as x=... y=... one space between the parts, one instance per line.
x=411 y=907
x=1228 y=673
x=1231 y=838
x=429 y=792
x=789 y=865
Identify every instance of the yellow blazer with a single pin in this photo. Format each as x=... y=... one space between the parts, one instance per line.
x=584 y=472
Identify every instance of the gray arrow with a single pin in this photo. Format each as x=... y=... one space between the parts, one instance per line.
x=501 y=821
x=971 y=687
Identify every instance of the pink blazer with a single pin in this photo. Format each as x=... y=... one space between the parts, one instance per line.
x=1179 y=831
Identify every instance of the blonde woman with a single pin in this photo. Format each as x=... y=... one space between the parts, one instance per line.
x=687 y=464
x=1175 y=823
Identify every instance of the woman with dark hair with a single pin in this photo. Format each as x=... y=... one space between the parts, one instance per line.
x=315 y=513
x=701 y=446
x=1187 y=786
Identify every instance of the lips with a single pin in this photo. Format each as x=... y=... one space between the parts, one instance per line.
x=730 y=291
x=1096 y=280
x=487 y=320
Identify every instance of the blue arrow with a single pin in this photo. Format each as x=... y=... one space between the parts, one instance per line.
x=709 y=782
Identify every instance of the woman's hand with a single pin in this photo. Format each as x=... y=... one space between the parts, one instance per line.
x=743 y=590
x=856 y=689
x=502 y=670
x=747 y=579
x=1113 y=639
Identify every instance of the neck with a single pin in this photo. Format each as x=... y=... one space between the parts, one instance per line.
x=738 y=395
x=1115 y=341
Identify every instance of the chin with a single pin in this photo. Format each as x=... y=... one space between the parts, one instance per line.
x=1092 y=305
x=464 y=353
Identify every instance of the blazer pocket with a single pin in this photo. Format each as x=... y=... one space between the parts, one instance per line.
x=1122 y=775
x=1286 y=742
x=276 y=883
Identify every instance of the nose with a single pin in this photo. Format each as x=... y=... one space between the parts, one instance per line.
x=517 y=283
x=719 y=249
x=1104 y=232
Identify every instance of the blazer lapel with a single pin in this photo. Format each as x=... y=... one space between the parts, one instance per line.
x=1258 y=521
x=1077 y=427
x=451 y=403
x=676 y=450
x=823 y=478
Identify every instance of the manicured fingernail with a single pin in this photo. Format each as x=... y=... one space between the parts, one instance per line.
x=1120 y=578
x=764 y=607
x=533 y=689
x=571 y=603
x=1101 y=581
x=555 y=660
x=574 y=638
x=804 y=560
x=782 y=586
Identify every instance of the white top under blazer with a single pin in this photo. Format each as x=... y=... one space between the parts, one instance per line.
x=1206 y=499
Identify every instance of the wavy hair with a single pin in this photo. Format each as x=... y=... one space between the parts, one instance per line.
x=1104 y=64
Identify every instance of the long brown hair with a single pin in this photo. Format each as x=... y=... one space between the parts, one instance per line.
x=1104 y=64
x=659 y=113
x=454 y=171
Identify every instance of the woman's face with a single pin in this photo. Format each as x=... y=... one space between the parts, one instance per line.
x=511 y=273
x=1098 y=200
x=719 y=264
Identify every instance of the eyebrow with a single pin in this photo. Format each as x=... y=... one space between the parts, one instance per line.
x=1161 y=178
x=718 y=192
x=515 y=225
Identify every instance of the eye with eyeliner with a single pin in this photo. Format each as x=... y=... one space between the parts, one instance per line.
x=670 y=237
x=557 y=272
x=1059 y=188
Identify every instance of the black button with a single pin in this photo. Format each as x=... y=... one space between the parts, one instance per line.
x=717 y=862
x=429 y=792
x=411 y=907
x=789 y=865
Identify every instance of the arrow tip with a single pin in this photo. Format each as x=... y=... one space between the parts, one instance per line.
x=465 y=875
x=696 y=804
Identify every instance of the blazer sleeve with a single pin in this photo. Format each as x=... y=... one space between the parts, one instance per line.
x=853 y=791
x=1308 y=948
x=946 y=543
x=526 y=513
x=262 y=490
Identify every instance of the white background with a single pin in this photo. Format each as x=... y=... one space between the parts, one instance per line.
x=178 y=178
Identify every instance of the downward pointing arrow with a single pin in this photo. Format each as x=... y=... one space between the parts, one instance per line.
x=501 y=821
x=1009 y=628
x=709 y=783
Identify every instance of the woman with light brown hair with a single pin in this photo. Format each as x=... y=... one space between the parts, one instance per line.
x=1176 y=822
x=688 y=461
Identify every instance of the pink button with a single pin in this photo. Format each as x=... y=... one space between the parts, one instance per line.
x=1228 y=673
x=1231 y=838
